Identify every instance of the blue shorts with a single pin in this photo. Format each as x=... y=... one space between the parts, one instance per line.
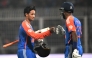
x=25 y=53
x=69 y=50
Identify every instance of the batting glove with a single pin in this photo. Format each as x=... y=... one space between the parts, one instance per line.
x=75 y=54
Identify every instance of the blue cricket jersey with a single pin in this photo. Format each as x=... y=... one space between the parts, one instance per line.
x=72 y=24
x=27 y=36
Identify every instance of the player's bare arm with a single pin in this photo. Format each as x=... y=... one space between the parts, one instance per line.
x=74 y=36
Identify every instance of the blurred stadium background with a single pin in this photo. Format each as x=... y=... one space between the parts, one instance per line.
x=47 y=14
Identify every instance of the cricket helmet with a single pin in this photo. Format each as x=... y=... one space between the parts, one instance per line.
x=42 y=50
x=68 y=7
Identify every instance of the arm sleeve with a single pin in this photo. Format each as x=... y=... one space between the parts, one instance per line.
x=34 y=35
x=70 y=24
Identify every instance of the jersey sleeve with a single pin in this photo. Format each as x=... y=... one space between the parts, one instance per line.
x=70 y=24
x=34 y=35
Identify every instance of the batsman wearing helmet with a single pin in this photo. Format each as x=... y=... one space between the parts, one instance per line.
x=73 y=32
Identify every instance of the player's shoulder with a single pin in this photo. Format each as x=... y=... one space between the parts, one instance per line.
x=25 y=24
x=69 y=19
x=73 y=18
x=76 y=19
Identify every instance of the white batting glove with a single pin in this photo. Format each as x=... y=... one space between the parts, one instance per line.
x=75 y=54
x=60 y=30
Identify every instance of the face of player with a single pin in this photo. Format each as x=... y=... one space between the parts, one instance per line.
x=62 y=13
x=31 y=15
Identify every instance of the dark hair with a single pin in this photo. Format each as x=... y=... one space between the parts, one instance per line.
x=28 y=9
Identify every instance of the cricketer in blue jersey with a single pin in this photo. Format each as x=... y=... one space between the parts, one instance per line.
x=27 y=36
x=73 y=48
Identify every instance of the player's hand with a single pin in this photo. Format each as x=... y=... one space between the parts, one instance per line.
x=75 y=54
x=59 y=30
x=52 y=29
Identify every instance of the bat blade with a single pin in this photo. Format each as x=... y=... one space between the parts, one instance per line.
x=9 y=44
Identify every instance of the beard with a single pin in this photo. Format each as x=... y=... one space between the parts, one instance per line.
x=63 y=16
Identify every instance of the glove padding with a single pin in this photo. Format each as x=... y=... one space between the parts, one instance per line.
x=75 y=54
x=42 y=49
x=59 y=30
